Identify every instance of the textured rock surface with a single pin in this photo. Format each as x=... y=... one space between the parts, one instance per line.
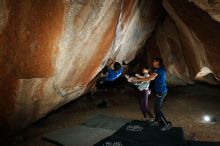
x=168 y=41
x=210 y=6
x=51 y=50
x=188 y=40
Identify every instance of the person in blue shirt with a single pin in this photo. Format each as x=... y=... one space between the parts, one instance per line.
x=159 y=75
x=114 y=73
x=110 y=74
x=160 y=87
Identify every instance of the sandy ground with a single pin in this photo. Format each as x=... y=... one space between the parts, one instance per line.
x=184 y=106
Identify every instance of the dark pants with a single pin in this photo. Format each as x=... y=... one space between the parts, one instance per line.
x=102 y=83
x=159 y=116
x=143 y=101
x=118 y=83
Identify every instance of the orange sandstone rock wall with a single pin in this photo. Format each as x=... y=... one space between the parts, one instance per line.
x=51 y=50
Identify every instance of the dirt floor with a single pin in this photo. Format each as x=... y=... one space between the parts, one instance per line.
x=184 y=106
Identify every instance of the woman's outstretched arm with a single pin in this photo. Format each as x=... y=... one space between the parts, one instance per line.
x=150 y=78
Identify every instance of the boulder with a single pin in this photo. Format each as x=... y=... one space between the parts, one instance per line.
x=50 y=51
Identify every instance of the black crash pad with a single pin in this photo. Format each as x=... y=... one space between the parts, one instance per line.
x=141 y=133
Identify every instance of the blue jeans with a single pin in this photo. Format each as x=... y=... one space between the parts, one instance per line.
x=159 y=116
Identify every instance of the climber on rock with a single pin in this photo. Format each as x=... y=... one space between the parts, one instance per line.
x=110 y=73
x=109 y=79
